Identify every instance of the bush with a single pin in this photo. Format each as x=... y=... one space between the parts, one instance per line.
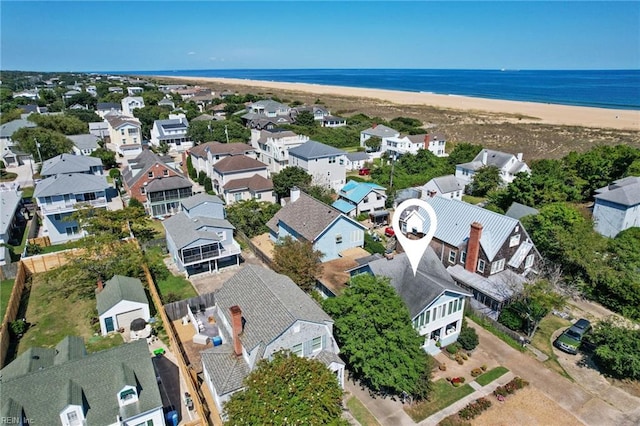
x=511 y=387
x=510 y=319
x=476 y=372
x=453 y=420
x=468 y=337
x=18 y=327
x=618 y=351
x=452 y=349
x=474 y=409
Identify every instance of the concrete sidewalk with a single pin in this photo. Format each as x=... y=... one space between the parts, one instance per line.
x=386 y=410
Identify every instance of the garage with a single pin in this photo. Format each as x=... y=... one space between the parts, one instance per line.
x=124 y=319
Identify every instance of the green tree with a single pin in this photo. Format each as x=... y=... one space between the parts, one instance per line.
x=9 y=114
x=51 y=143
x=288 y=178
x=468 y=338
x=299 y=261
x=83 y=115
x=207 y=131
x=107 y=157
x=65 y=124
x=287 y=390
x=251 y=216
x=618 y=349
x=83 y=98
x=484 y=180
x=193 y=174
x=320 y=193
x=463 y=153
x=148 y=114
x=374 y=331
x=373 y=143
x=152 y=97
x=305 y=118
x=409 y=125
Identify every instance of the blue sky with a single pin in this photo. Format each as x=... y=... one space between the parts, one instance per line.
x=172 y=35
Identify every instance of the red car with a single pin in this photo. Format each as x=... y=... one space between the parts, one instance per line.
x=364 y=172
x=389 y=232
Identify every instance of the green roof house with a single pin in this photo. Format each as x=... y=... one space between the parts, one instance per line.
x=120 y=301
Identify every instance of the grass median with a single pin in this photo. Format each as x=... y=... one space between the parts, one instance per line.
x=442 y=395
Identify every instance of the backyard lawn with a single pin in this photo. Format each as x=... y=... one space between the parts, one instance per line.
x=542 y=341
x=178 y=286
x=5 y=293
x=442 y=395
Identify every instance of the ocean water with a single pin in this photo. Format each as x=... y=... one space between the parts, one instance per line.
x=617 y=89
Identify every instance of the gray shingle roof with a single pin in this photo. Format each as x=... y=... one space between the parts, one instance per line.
x=455 y=219
x=108 y=106
x=358 y=156
x=120 y=120
x=143 y=162
x=327 y=357
x=226 y=370
x=167 y=183
x=87 y=141
x=381 y=131
x=623 y=191
x=9 y=202
x=71 y=183
x=219 y=148
x=69 y=163
x=312 y=149
x=448 y=183
x=518 y=211
x=172 y=124
x=307 y=216
x=184 y=230
x=421 y=290
x=253 y=183
x=201 y=198
x=500 y=286
x=236 y=163
x=120 y=288
x=270 y=304
x=8 y=129
x=100 y=378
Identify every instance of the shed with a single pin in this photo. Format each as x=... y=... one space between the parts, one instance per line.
x=120 y=302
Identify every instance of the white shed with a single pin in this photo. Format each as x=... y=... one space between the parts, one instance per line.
x=120 y=302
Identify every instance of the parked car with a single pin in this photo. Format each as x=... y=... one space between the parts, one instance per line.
x=364 y=171
x=570 y=339
x=389 y=232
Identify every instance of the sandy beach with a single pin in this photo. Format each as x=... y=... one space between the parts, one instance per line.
x=528 y=111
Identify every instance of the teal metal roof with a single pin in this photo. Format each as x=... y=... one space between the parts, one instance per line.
x=342 y=205
x=356 y=191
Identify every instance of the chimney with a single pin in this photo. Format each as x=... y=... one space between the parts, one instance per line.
x=484 y=156
x=519 y=157
x=236 y=328
x=294 y=193
x=373 y=126
x=473 y=247
x=100 y=285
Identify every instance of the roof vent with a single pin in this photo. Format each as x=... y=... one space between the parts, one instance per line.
x=35 y=357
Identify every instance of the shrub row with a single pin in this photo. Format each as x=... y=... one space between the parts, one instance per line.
x=474 y=409
x=511 y=387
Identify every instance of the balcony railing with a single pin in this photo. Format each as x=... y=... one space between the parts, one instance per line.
x=72 y=206
x=225 y=251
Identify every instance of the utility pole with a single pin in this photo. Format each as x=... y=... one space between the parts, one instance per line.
x=226 y=133
x=393 y=163
x=38 y=148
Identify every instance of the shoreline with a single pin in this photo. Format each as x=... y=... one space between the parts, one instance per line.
x=530 y=112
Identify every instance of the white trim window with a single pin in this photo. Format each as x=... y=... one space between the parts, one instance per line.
x=497 y=266
x=452 y=256
x=316 y=344
x=463 y=257
x=514 y=240
x=528 y=262
x=481 y=265
x=297 y=349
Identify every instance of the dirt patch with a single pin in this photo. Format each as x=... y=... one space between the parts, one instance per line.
x=527 y=406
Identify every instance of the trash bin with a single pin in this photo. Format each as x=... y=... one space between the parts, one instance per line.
x=172 y=418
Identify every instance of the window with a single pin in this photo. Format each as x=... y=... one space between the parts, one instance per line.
x=142 y=190
x=297 y=349
x=338 y=238
x=452 y=256
x=341 y=162
x=150 y=174
x=122 y=132
x=127 y=394
x=450 y=308
x=56 y=216
x=528 y=263
x=332 y=160
x=497 y=266
x=463 y=257
x=258 y=196
x=316 y=344
x=221 y=235
x=480 y=265
x=47 y=200
x=72 y=230
x=515 y=240
x=165 y=172
x=72 y=417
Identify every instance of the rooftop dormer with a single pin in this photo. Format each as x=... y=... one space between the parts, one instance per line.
x=128 y=393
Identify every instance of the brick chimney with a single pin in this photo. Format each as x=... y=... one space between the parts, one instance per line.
x=236 y=328
x=100 y=285
x=373 y=126
x=473 y=247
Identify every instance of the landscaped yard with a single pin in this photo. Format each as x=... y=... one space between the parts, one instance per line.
x=442 y=395
x=52 y=317
x=542 y=341
x=360 y=412
x=491 y=375
x=178 y=286
x=5 y=293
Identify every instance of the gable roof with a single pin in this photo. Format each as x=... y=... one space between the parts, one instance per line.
x=9 y=202
x=448 y=183
x=253 y=183
x=312 y=149
x=275 y=134
x=117 y=289
x=358 y=156
x=185 y=230
x=8 y=129
x=227 y=371
x=381 y=131
x=356 y=191
x=165 y=183
x=455 y=219
x=172 y=124
x=270 y=304
x=201 y=198
x=218 y=148
x=69 y=163
x=70 y=183
x=307 y=216
x=97 y=377
x=117 y=121
x=419 y=291
x=518 y=211
x=237 y=163
x=87 y=141
x=143 y=162
x=344 y=206
x=494 y=158
x=624 y=191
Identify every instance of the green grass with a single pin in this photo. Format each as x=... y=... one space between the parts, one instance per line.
x=491 y=375
x=100 y=343
x=542 y=341
x=442 y=395
x=5 y=294
x=498 y=333
x=472 y=200
x=8 y=176
x=360 y=412
x=179 y=286
x=27 y=192
x=60 y=247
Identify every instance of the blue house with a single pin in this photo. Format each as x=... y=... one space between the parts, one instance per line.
x=435 y=302
x=308 y=219
x=360 y=197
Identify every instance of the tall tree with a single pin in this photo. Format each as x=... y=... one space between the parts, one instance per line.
x=288 y=390
x=288 y=178
x=299 y=261
x=374 y=331
x=373 y=143
x=65 y=124
x=484 y=180
x=305 y=118
x=51 y=143
x=251 y=216
x=463 y=153
x=148 y=114
x=107 y=156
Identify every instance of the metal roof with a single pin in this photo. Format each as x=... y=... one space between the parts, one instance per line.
x=344 y=206
x=356 y=191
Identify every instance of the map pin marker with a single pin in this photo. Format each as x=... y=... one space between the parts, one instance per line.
x=415 y=248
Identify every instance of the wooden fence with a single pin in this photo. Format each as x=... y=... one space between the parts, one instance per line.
x=177 y=310
x=40 y=241
x=12 y=311
x=255 y=249
x=46 y=262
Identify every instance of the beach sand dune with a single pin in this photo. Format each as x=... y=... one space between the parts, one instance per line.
x=523 y=111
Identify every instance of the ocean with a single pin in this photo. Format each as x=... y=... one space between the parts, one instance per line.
x=616 y=89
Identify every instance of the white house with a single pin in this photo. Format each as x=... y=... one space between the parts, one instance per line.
x=435 y=303
x=356 y=198
x=120 y=301
x=260 y=312
x=378 y=130
x=357 y=160
x=134 y=90
x=130 y=103
x=508 y=164
x=411 y=144
x=173 y=132
x=84 y=144
x=333 y=121
x=238 y=178
x=204 y=156
x=617 y=206
x=447 y=186
x=325 y=164
x=273 y=146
